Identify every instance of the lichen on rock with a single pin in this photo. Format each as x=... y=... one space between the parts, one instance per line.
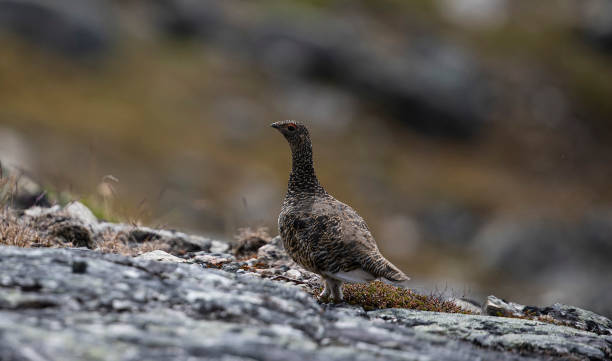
x=124 y=308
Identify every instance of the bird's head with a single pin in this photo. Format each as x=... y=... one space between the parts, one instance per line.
x=295 y=133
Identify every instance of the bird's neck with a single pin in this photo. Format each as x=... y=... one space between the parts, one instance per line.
x=303 y=178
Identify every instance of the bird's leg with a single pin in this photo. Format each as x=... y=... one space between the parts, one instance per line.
x=332 y=288
x=336 y=290
x=326 y=288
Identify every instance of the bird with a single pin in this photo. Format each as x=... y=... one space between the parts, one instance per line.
x=322 y=234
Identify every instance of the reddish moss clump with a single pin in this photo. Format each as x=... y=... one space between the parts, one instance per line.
x=377 y=295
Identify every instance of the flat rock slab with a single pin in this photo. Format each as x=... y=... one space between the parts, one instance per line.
x=75 y=304
x=161 y=256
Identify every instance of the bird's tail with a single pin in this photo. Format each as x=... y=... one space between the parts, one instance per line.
x=386 y=271
x=402 y=284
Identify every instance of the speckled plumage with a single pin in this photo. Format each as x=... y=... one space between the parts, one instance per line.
x=322 y=234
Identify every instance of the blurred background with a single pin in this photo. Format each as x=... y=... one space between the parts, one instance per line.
x=474 y=136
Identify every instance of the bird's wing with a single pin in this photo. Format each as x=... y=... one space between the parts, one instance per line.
x=349 y=228
x=343 y=245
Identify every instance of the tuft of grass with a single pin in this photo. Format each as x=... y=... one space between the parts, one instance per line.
x=378 y=295
x=13 y=233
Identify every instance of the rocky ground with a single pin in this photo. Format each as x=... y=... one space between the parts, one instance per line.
x=200 y=299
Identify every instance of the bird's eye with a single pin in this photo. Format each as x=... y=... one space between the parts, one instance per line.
x=291 y=128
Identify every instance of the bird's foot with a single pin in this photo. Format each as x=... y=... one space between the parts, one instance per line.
x=332 y=291
x=328 y=297
x=325 y=294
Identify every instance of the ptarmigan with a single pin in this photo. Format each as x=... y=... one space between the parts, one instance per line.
x=322 y=234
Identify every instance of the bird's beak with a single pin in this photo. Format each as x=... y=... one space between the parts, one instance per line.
x=275 y=125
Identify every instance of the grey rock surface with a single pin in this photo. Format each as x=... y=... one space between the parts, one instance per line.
x=506 y=333
x=572 y=316
x=78 y=304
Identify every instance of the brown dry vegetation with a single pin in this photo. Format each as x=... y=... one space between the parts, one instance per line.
x=13 y=233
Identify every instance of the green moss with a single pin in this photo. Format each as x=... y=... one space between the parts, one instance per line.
x=377 y=295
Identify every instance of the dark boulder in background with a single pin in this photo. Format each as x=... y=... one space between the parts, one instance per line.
x=430 y=85
x=72 y=27
x=596 y=23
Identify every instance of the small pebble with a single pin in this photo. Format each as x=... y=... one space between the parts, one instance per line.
x=293 y=273
x=79 y=267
